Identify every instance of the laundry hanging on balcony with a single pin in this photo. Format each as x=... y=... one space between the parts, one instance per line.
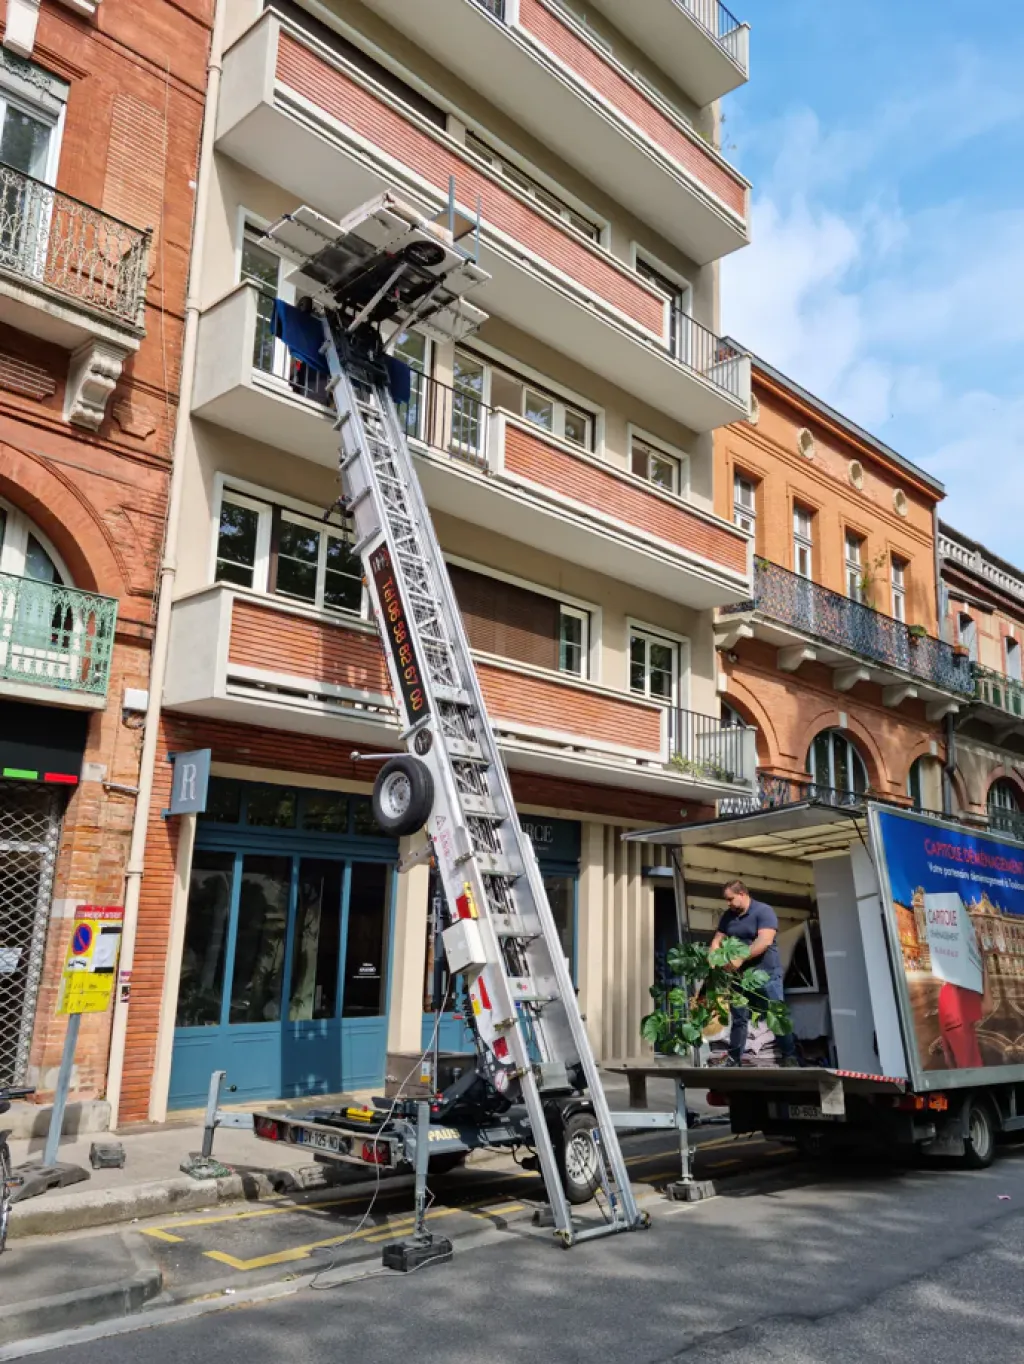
x=301 y=332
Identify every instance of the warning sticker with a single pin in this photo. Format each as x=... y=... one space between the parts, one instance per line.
x=90 y=967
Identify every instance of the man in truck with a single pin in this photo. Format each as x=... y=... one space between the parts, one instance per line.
x=754 y=923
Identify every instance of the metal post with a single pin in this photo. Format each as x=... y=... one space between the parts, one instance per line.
x=687 y=1189
x=212 y=1104
x=421 y=1248
x=60 y=1098
x=422 y=1160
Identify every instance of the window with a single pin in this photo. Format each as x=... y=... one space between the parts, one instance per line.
x=967 y=634
x=274 y=549
x=261 y=266
x=837 y=769
x=899 y=589
x=744 y=503
x=655 y=466
x=678 y=298
x=573 y=640
x=529 y=186
x=1004 y=808
x=1012 y=648
x=24 y=551
x=854 y=566
x=480 y=384
x=653 y=666
x=803 y=541
x=915 y=783
x=29 y=138
x=413 y=349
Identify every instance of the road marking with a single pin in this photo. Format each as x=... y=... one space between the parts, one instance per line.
x=161 y=1235
x=722 y=1164
x=214 y=1219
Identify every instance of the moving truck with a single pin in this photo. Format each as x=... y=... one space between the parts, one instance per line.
x=922 y=950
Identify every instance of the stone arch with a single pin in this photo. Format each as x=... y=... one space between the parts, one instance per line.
x=1007 y=774
x=66 y=516
x=867 y=746
x=743 y=700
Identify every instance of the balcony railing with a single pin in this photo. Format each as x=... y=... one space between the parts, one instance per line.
x=774 y=792
x=702 y=746
x=1000 y=692
x=855 y=628
x=48 y=238
x=54 y=636
x=700 y=350
x=495 y=7
x=715 y=19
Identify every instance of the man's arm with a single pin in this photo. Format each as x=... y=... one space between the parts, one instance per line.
x=760 y=945
x=717 y=941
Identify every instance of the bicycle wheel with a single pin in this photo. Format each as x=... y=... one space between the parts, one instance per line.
x=5 y=1193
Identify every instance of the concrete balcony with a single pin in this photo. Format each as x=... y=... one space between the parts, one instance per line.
x=55 y=643
x=999 y=701
x=258 y=660
x=301 y=117
x=538 y=63
x=482 y=465
x=698 y=43
x=74 y=277
x=811 y=624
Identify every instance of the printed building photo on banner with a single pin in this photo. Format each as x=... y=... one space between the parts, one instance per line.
x=957 y=904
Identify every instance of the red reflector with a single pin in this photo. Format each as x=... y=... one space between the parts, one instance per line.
x=62 y=778
x=501 y=1048
x=266 y=1129
x=910 y=1103
x=485 y=998
x=374 y=1154
x=717 y=1099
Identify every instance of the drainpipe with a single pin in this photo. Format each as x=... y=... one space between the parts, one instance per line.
x=168 y=567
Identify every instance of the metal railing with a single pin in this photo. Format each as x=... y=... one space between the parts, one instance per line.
x=723 y=26
x=1001 y=692
x=774 y=792
x=855 y=628
x=699 y=349
x=495 y=7
x=54 y=636
x=702 y=746
x=50 y=239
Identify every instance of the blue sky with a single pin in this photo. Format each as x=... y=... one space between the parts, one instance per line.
x=885 y=143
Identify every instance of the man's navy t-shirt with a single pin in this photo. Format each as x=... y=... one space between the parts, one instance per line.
x=746 y=927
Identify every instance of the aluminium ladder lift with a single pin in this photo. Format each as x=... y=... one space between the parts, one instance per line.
x=387 y=265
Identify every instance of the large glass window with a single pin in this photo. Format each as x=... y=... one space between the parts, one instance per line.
x=655 y=466
x=744 y=503
x=366 y=947
x=258 y=973
x=573 y=641
x=562 y=899
x=201 y=987
x=1004 y=808
x=481 y=384
x=317 y=941
x=837 y=769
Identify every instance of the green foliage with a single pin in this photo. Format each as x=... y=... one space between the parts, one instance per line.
x=715 y=982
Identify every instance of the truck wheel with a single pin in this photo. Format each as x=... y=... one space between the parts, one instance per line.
x=580 y=1169
x=403 y=795
x=980 y=1143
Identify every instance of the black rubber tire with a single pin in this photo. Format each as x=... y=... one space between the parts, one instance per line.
x=980 y=1139
x=403 y=795
x=578 y=1159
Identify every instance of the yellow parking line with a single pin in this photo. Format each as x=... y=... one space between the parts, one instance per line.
x=373 y=1233
x=214 y=1219
x=160 y=1235
x=721 y=1164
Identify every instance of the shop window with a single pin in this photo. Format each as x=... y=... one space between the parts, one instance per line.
x=365 y=994
x=271 y=807
x=325 y=812
x=201 y=987
x=317 y=940
x=223 y=802
x=258 y=968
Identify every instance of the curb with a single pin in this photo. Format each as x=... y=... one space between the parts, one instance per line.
x=64 y=1311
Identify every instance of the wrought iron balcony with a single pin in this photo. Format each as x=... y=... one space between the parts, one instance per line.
x=703 y=747
x=55 y=637
x=1000 y=692
x=854 y=628
x=774 y=792
x=60 y=244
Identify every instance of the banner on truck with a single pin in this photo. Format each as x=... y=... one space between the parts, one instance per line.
x=956 y=901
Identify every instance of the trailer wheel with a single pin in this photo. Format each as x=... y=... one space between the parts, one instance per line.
x=403 y=795
x=980 y=1137
x=580 y=1159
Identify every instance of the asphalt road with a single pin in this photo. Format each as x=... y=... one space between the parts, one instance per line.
x=791 y=1262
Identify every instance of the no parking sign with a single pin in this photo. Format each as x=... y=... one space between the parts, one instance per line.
x=90 y=968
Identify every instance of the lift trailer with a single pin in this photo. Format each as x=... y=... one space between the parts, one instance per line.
x=532 y=1081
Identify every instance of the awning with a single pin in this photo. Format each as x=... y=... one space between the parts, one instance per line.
x=801 y=831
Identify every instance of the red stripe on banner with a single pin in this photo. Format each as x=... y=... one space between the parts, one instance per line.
x=485 y=998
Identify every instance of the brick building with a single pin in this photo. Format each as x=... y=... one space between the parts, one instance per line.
x=101 y=111
x=566 y=452
x=836 y=660
x=984 y=602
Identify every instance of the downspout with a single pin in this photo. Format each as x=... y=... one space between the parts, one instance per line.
x=168 y=570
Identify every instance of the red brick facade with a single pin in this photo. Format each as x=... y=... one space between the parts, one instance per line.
x=129 y=149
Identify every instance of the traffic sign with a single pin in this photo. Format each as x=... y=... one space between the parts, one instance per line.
x=90 y=967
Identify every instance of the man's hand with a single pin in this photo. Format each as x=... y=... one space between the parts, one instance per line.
x=735 y=964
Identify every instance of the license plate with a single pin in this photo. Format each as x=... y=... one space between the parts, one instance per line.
x=801 y=1112
x=322 y=1141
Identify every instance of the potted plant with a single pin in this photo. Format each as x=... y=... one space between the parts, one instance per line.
x=917 y=632
x=708 y=993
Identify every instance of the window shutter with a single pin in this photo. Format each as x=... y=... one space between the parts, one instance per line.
x=509 y=621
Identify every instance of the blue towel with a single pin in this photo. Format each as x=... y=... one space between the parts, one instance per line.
x=302 y=333
x=399 y=380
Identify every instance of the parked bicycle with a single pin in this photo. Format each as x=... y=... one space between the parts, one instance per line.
x=8 y=1182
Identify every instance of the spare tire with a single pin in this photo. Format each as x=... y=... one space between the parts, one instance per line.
x=403 y=795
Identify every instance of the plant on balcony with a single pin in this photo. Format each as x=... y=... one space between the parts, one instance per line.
x=961 y=651
x=917 y=632
x=869 y=578
x=711 y=988
x=708 y=770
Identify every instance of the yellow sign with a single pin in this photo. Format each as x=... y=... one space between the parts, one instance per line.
x=90 y=968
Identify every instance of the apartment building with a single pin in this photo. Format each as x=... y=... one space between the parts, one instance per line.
x=836 y=659
x=566 y=451
x=99 y=123
x=984 y=604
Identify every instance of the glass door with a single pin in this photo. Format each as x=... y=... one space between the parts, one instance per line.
x=27 y=145
x=311 y=1040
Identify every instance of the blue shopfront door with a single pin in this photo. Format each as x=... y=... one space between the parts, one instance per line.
x=285 y=969
x=557 y=845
